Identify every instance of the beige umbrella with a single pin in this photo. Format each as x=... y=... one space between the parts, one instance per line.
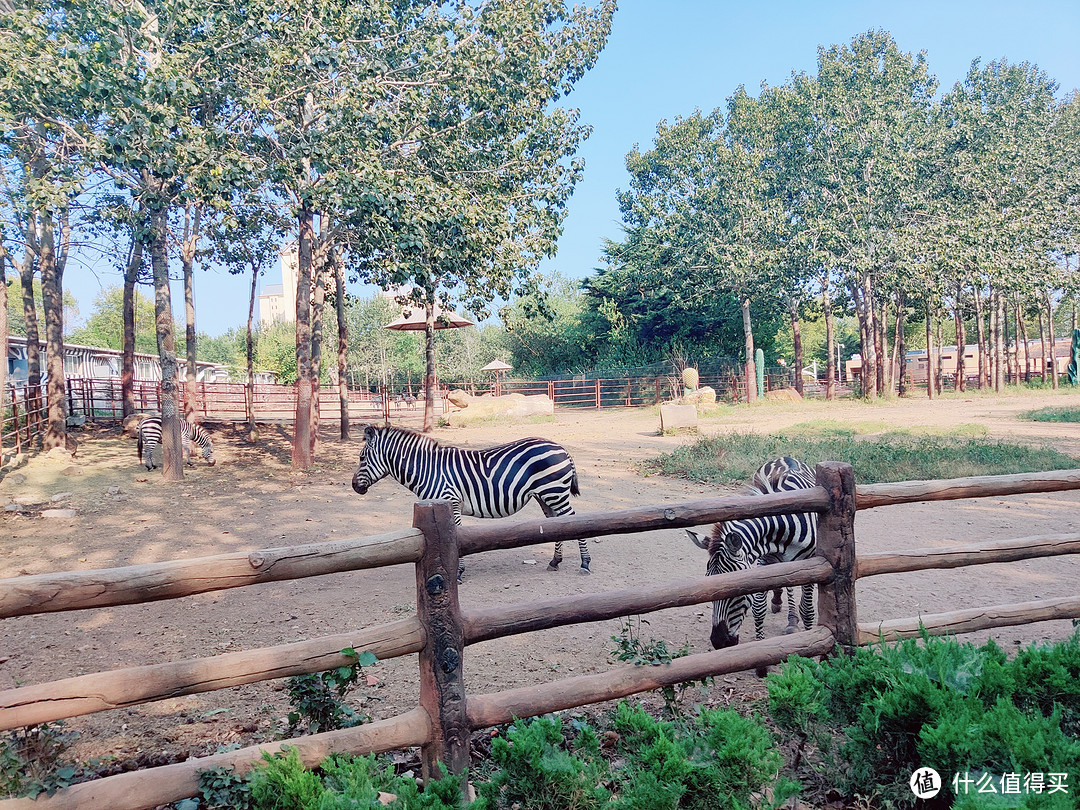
x=498 y=368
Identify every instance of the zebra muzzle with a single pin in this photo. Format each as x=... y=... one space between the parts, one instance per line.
x=360 y=489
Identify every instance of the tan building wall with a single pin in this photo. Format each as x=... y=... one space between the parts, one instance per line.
x=278 y=301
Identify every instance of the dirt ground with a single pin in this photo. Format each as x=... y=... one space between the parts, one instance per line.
x=251 y=499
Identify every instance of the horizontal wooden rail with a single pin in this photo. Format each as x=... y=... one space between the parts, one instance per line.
x=101 y=691
x=923 y=559
x=973 y=620
x=105 y=587
x=477 y=538
x=140 y=790
x=871 y=496
x=530 y=701
x=483 y=624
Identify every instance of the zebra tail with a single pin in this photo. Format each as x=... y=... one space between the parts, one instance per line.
x=140 y=445
x=573 y=485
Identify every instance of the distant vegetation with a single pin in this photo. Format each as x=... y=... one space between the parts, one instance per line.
x=1063 y=414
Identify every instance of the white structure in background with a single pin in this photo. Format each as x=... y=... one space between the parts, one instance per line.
x=278 y=301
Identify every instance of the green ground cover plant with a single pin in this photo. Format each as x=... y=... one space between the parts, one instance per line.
x=1061 y=414
x=896 y=455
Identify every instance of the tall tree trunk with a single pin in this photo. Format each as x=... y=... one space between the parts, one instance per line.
x=930 y=381
x=4 y=258
x=172 y=467
x=980 y=335
x=896 y=362
x=751 y=371
x=249 y=382
x=999 y=341
x=1012 y=347
x=318 y=302
x=796 y=339
x=961 y=339
x=1053 y=343
x=1022 y=339
x=301 y=450
x=830 y=343
x=901 y=343
x=343 y=346
x=1042 y=345
x=192 y=225
x=429 y=366
x=939 y=367
x=52 y=300
x=33 y=336
x=127 y=358
x=870 y=354
x=881 y=346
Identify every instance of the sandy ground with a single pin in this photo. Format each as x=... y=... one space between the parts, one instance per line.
x=251 y=499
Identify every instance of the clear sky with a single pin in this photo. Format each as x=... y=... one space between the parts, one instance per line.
x=666 y=58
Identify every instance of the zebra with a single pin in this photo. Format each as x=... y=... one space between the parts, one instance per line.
x=737 y=545
x=494 y=482
x=150 y=440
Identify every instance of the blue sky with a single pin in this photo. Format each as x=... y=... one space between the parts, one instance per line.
x=666 y=58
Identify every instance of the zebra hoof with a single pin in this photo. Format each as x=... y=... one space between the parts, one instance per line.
x=761 y=672
x=584 y=570
x=553 y=566
x=791 y=628
x=776 y=607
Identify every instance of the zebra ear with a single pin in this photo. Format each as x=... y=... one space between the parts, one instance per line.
x=698 y=540
x=369 y=431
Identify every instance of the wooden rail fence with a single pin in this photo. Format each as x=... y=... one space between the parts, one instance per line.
x=442 y=629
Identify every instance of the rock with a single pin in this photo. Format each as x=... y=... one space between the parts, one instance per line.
x=702 y=396
x=72 y=470
x=676 y=416
x=58 y=513
x=13 y=507
x=512 y=405
x=784 y=395
x=76 y=420
x=28 y=500
x=59 y=496
x=17 y=478
x=459 y=398
x=113 y=490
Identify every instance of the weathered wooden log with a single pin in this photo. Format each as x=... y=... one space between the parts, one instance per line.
x=871 y=496
x=483 y=624
x=77 y=590
x=922 y=559
x=442 y=687
x=970 y=621
x=488 y=537
x=140 y=790
x=836 y=543
x=530 y=701
x=101 y=691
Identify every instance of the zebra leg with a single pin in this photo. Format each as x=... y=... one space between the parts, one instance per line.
x=758 y=607
x=806 y=606
x=792 y=618
x=778 y=600
x=554 y=564
x=586 y=560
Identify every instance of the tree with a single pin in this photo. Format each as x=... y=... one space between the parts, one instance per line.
x=104 y=325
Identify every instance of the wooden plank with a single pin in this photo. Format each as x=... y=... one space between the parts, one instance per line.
x=483 y=624
x=101 y=691
x=530 y=701
x=871 y=496
x=970 y=621
x=141 y=790
x=923 y=559
x=836 y=543
x=105 y=587
x=490 y=536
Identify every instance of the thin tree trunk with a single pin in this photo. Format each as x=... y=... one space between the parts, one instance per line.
x=881 y=346
x=980 y=330
x=796 y=339
x=961 y=340
x=52 y=300
x=930 y=381
x=343 y=347
x=999 y=341
x=751 y=371
x=4 y=258
x=1022 y=340
x=172 y=468
x=301 y=450
x=896 y=362
x=249 y=383
x=901 y=342
x=429 y=366
x=1053 y=343
x=939 y=368
x=830 y=343
x=318 y=304
x=870 y=355
x=127 y=359
x=33 y=336
x=192 y=225
x=1042 y=345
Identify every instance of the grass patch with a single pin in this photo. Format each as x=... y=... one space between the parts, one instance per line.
x=1063 y=414
x=732 y=458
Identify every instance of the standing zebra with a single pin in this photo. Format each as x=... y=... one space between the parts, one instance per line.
x=737 y=545
x=150 y=441
x=494 y=482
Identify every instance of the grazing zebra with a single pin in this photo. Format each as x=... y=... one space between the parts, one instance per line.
x=495 y=482
x=737 y=545
x=150 y=440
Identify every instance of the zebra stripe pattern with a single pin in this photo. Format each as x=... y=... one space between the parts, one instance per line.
x=491 y=483
x=737 y=545
x=150 y=441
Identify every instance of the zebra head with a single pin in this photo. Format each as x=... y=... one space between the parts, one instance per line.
x=208 y=454
x=372 y=464
x=727 y=553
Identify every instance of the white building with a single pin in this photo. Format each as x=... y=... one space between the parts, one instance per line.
x=278 y=301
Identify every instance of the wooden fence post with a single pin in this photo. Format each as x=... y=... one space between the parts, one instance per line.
x=836 y=543
x=442 y=689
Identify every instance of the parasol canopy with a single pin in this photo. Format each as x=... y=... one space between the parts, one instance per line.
x=416 y=320
x=496 y=365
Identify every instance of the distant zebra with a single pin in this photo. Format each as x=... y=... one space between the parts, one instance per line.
x=737 y=545
x=150 y=441
x=494 y=482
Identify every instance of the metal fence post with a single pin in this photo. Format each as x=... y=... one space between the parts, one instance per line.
x=442 y=689
x=836 y=543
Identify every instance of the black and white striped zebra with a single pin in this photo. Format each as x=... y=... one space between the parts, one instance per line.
x=737 y=545
x=494 y=482
x=150 y=441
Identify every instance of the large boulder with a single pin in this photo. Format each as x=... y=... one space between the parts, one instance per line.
x=511 y=405
x=701 y=396
x=678 y=416
x=784 y=395
x=459 y=398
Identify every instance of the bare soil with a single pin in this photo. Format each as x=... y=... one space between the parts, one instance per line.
x=252 y=499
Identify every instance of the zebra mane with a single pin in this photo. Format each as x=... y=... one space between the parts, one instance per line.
x=417 y=436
